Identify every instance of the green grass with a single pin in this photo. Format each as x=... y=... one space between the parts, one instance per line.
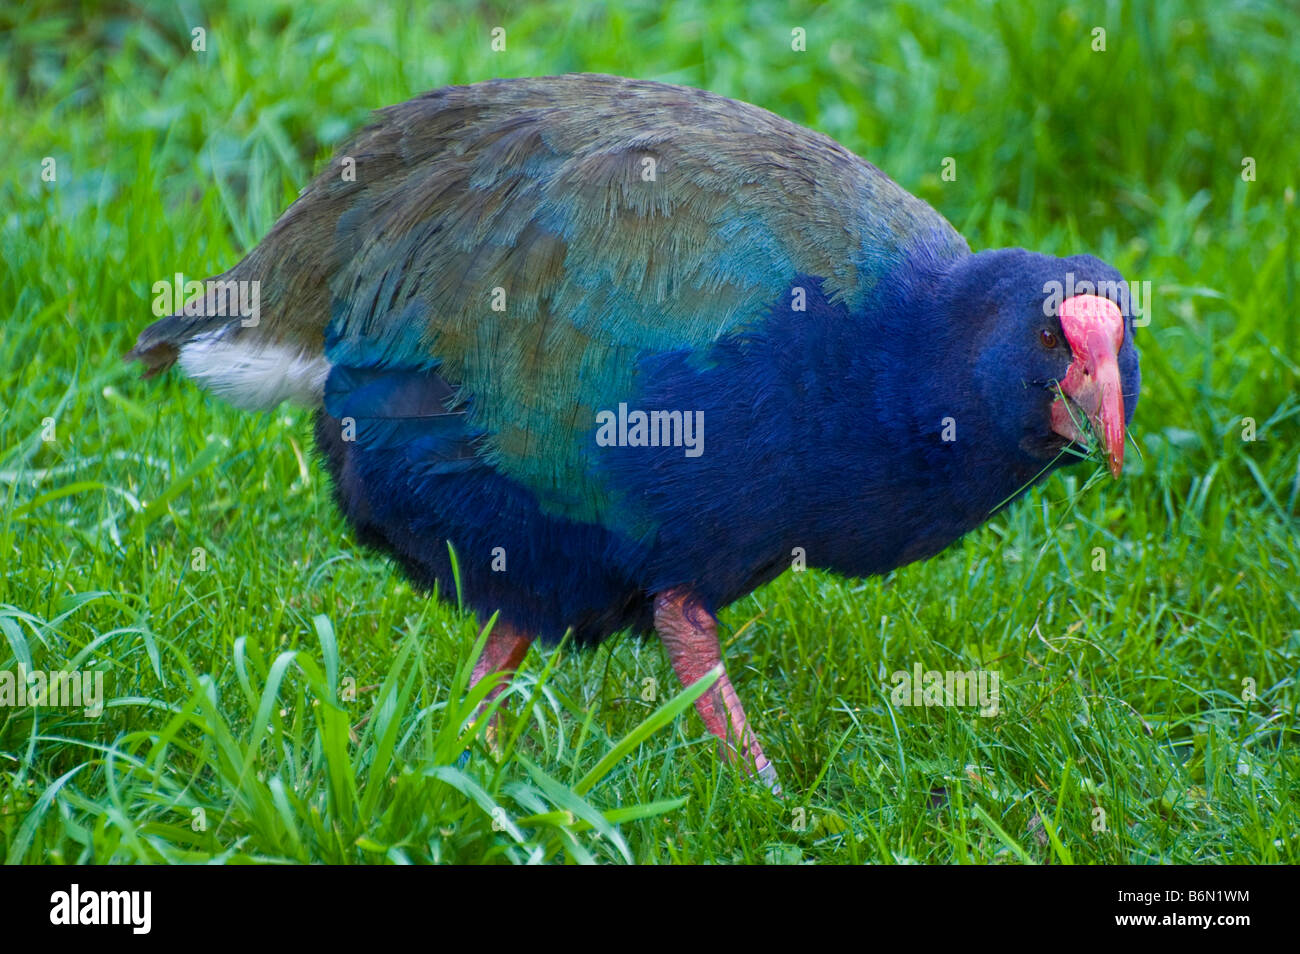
x=281 y=695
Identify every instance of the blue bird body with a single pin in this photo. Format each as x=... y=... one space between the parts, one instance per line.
x=630 y=347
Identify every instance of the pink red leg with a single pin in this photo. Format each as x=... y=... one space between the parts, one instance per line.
x=504 y=651
x=690 y=634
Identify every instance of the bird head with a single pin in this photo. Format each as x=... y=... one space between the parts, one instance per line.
x=1051 y=340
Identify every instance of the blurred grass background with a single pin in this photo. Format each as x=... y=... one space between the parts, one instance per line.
x=285 y=696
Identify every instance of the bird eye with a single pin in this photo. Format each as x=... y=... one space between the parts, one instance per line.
x=1049 y=338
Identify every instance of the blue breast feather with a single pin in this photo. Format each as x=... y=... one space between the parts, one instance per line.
x=810 y=426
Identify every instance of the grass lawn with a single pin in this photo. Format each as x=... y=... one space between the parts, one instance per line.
x=274 y=693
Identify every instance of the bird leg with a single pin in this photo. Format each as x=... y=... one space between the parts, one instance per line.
x=504 y=651
x=690 y=634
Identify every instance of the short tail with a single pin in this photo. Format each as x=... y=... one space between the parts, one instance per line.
x=159 y=345
x=228 y=351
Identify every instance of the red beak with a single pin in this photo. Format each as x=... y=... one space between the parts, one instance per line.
x=1095 y=329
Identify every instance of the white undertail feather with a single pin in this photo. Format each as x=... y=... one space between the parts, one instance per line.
x=254 y=376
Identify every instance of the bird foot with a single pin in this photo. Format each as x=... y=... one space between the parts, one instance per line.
x=491 y=733
x=492 y=738
x=754 y=764
x=767 y=777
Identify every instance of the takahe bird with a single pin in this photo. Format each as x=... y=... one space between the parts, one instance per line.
x=631 y=348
